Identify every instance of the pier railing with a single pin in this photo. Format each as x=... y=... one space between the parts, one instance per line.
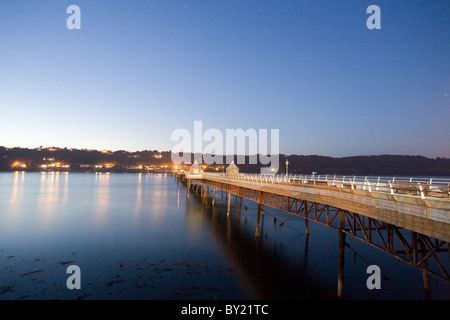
x=427 y=198
x=423 y=187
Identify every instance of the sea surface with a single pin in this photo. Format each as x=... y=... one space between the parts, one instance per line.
x=137 y=236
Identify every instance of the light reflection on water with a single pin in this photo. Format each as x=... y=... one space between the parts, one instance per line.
x=16 y=196
x=137 y=236
x=102 y=195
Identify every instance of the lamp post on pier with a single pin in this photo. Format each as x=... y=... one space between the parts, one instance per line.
x=287 y=165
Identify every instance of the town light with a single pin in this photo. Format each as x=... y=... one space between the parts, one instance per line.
x=19 y=164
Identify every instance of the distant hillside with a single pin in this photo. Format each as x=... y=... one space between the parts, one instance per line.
x=388 y=165
x=35 y=158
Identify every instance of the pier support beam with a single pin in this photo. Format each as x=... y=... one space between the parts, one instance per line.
x=188 y=187
x=340 y=290
x=390 y=238
x=205 y=193
x=425 y=274
x=202 y=192
x=258 y=215
x=229 y=200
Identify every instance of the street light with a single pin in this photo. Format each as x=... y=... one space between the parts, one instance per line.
x=287 y=165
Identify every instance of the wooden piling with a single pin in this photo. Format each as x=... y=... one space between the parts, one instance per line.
x=340 y=289
x=258 y=214
x=390 y=238
x=188 y=187
x=425 y=274
x=229 y=200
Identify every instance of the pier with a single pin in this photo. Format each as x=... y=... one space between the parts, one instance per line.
x=408 y=219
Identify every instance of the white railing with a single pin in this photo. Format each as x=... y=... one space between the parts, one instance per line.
x=430 y=187
x=428 y=198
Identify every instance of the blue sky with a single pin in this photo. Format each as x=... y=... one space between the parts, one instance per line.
x=138 y=70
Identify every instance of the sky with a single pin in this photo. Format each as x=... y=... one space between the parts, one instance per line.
x=138 y=70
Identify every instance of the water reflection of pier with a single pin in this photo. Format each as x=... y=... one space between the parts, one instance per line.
x=417 y=240
x=263 y=267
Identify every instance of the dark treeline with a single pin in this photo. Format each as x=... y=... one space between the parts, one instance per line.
x=392 y=165
x=380 y=165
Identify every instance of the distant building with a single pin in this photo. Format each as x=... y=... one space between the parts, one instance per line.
x=195 y=168
x=232 y=168
x=134 y=167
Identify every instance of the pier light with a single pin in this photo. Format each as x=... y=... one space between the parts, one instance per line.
x=19 y=164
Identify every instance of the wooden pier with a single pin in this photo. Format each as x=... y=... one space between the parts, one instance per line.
x=409 y=221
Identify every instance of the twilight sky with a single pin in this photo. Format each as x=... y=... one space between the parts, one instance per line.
x=139 y=69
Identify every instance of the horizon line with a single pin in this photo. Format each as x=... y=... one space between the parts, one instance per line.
x=40 y=148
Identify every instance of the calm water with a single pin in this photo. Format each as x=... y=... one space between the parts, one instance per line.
x=136 y=236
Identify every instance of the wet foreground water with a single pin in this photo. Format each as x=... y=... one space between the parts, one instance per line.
x=136 y=236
